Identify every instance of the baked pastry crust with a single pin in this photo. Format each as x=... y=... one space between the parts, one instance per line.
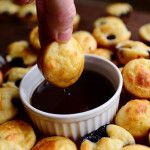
x=135 y=117
x=55 y=143
x=136 y=147
x=102 y=52
x=107 y=20
x=110 y=33
x=28 y=13
x=104 y=143
x=86 y=40
x=8 y=145
x=34 y=38
x=117 y=138
x=62 y=63
x=7 y=109
x=149 y=138
x=16 y=73
x=1 y=77
x=144 y=32
x=117 y=132
x=136 y=76
x=20 y=49
x=129 y=50
x=8 y=7
x=119 y=9
x=76 y=21
x=19 y=132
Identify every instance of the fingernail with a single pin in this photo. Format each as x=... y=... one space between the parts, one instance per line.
x=65 y=36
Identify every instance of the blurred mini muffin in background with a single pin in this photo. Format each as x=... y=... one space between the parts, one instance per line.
x=144 y=33
x=18 y=132
x=136 y=77
x=34 y=39
x=134 y=116
x=8 y=7
x=121 y=68
x=102 y=52
x=136 y=147
x=109 y=31
x=8 y=93
x=86 y=40
x=20 y=52
x=1 y=77
x=27 y=13
x=106 y=21
x=129 y=50
x=76 y=21
x=119 y=9
x=15 y=75
x=55 y=143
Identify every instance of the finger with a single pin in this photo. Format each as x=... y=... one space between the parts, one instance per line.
x=60 y=18
x=42 y=22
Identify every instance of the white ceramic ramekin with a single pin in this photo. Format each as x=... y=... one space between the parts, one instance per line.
x=73 y=125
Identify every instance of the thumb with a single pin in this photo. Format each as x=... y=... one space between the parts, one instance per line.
x=58 y=19
x=63 y=14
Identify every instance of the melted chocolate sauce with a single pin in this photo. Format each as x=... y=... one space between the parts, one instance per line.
x=90 y=91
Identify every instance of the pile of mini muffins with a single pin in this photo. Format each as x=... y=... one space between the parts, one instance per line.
x=110 y=39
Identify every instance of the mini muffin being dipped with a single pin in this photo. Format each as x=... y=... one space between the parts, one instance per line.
x=62 y=63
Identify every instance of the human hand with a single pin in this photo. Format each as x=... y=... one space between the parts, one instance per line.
x=55 y=19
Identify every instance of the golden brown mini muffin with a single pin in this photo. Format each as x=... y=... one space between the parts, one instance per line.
x=86 y=40
x=15 y=74
x=119 y=9
x=102 y=21
x=117 y=138
x=8 y=7
x=28 y=13
x=55 y=143
x=76 y=21
x=7 y=109
x=129 y=50
x=136 y=76
x=144 y=32
x=88 y=145
x=121 y=68
x=149 y=138
x=136 y=147
x=34 y=38
x=135 y=117
x=9 y=84
x=110 y=33
x=8 y=145
x=1 y=77
x=102 y=52
x=117 y=132
x=103 y=144
x=19 y=132
x=62 y=63
x=20 y=49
